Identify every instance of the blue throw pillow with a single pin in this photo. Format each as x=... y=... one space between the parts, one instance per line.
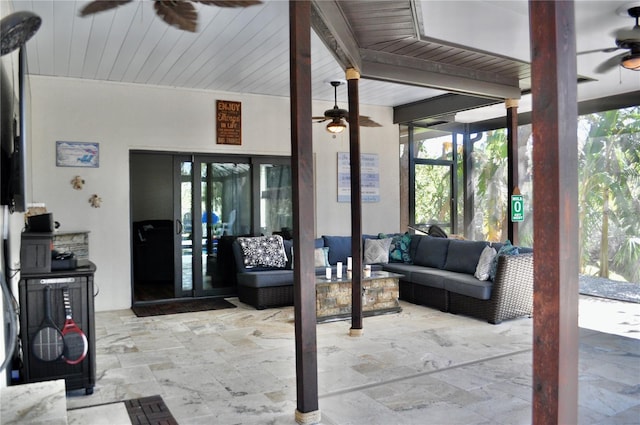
x=506 y=249
x=339 y=248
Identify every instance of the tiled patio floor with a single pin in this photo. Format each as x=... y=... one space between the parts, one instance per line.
x=420 y=366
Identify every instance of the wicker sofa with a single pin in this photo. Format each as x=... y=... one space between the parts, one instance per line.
x=438 y=272
x=441 y=275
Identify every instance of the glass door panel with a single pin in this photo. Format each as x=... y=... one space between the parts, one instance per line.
x=184 y=271
x=433 y=195
x=434 y=155
x=275 y=198
x=211 y=223
x=215 y=201
x=225 y=211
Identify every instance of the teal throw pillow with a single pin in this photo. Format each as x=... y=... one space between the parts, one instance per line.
x=399 y=249
x=506 y=249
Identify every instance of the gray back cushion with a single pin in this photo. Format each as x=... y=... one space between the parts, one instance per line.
x=463 y=256
x=431 y=252
x=415 y=242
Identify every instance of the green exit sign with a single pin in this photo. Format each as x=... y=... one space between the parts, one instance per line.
x=517 y=208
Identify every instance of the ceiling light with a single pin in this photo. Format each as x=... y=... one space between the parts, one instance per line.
x=336 y=126
x=631 y=61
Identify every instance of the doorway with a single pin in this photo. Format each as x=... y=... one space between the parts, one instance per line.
x=186 y=211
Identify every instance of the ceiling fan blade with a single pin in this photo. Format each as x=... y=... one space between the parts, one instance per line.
x=365 y=121
x=101 y=5
x=607 y=50
x=180 y=14
x=320 y=119
x=609 y=64
x=223 y=3
x=625 y=34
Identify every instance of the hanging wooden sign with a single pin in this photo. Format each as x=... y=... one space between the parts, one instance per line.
x=228 y=122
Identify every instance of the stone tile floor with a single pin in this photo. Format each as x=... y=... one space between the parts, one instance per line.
x=420 y=366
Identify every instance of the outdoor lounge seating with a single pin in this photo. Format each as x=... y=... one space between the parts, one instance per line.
x=437 y=272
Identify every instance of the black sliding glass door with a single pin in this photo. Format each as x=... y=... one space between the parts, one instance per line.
x=218 y=199
x=186 y=211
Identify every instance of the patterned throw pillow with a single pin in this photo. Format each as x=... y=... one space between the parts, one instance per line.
x=399 y=248
x=263 y=251
x=506 y=249
x=376 y=251
x=483 y=269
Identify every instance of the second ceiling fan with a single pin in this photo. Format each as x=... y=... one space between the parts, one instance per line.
x=340 y=117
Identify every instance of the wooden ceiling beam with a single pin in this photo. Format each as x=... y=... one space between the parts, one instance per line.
x=335 y=32
x=419 y=72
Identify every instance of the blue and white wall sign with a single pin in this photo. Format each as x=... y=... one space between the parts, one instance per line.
x=369 y=177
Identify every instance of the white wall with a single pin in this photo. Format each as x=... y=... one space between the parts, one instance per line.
x=123 y=117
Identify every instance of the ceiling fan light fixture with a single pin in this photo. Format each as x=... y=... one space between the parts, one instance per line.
x=336 y=126
x=631 y=62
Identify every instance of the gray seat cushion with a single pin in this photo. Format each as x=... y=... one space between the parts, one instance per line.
x=468 y=285
x=265 y=278
x=402 y=268
x=430 y=277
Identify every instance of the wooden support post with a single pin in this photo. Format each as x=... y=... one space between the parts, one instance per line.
x=555 y=197
x=307 y=411
x=512 y=165
x=353 y=77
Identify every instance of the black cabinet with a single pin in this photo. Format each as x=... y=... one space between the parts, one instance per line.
x=153 y=251
x=79 y=283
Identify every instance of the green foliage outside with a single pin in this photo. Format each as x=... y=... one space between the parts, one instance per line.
x=432 y=183
x=609 y=191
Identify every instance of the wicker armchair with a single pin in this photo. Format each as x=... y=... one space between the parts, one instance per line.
x=511 y=294
x=265 y=297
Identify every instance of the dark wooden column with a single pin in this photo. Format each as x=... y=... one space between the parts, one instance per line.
x=307 y=411
x=555 y=198
x=353 y=78
x=512 y=165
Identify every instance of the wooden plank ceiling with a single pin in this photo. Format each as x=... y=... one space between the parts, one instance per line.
x=388 y=43
x=245 y=50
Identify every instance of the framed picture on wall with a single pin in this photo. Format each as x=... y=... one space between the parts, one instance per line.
x=369 y=177
x=228 y=122
x=77 y=154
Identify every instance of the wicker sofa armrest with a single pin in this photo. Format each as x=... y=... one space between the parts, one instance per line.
x=512 y=292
